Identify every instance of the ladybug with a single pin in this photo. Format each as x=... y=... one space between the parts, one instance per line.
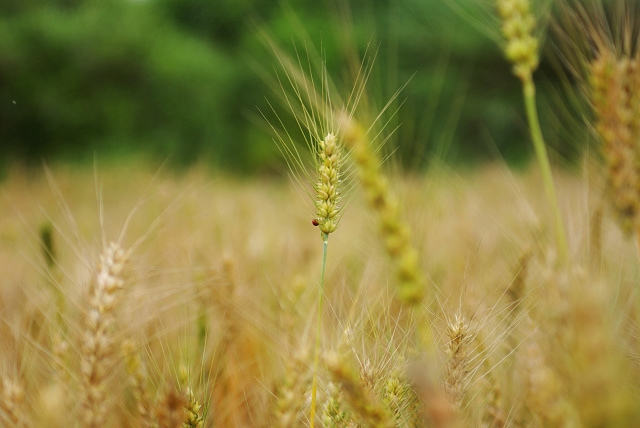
x=315 y=222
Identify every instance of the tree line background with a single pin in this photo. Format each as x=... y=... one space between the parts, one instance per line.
x=177 y=80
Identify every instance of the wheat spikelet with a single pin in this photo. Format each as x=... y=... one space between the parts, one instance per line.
x=371 y=413
x=518 y=24
x=458 y=350
x=489 y=385
x=193 y=409
x=334 y=415
x=290 y=398
x=233 y=353
x=99 y=349
x=546 y=395
x=138 y=383
x=11 y=401
x=401 y=400
x=193 y=414
x=494 y=415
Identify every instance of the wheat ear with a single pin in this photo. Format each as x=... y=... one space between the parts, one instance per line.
x=290 y=397
x=371 y=412
x=411 y=288
x=458 y=350
x=614 y=85
x=193 y=409
x=11 y=400
x=411 y=283
x=334 y=414
x=545 y=390
x=99 y=348
x=138 y=383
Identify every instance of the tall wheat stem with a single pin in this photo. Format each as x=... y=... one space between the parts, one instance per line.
x=328 y=190
x=521 y=49
x=316 y=358
x=529 y=91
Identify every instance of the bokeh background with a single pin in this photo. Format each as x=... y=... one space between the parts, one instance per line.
x=179 y=80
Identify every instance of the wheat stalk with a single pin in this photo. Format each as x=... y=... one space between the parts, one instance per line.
x=521 y=49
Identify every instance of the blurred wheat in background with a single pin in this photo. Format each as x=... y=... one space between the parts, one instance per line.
x=138 y=295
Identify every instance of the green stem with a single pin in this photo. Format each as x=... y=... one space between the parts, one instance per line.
x=529 y=90
x=316 y=358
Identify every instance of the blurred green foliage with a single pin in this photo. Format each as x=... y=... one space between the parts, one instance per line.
x=172 y=78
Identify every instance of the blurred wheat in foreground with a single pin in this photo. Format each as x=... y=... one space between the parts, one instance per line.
x=209 y=320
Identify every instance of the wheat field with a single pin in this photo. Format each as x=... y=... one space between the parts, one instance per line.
x=219 y=293
x=355 y=293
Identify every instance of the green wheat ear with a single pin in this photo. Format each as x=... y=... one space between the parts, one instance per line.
x=518 y=24
x=328 y=185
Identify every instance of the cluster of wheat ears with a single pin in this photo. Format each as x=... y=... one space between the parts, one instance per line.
x=457 y=310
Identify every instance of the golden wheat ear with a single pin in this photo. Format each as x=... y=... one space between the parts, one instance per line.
x=291 y=395
x=11 y=404
x=460 y=356
x=99 y=349
x=368 y=409
x=614 y=92
x=411 y=283
x=138 y=380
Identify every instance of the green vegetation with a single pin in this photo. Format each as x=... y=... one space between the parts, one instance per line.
x=178 y=79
